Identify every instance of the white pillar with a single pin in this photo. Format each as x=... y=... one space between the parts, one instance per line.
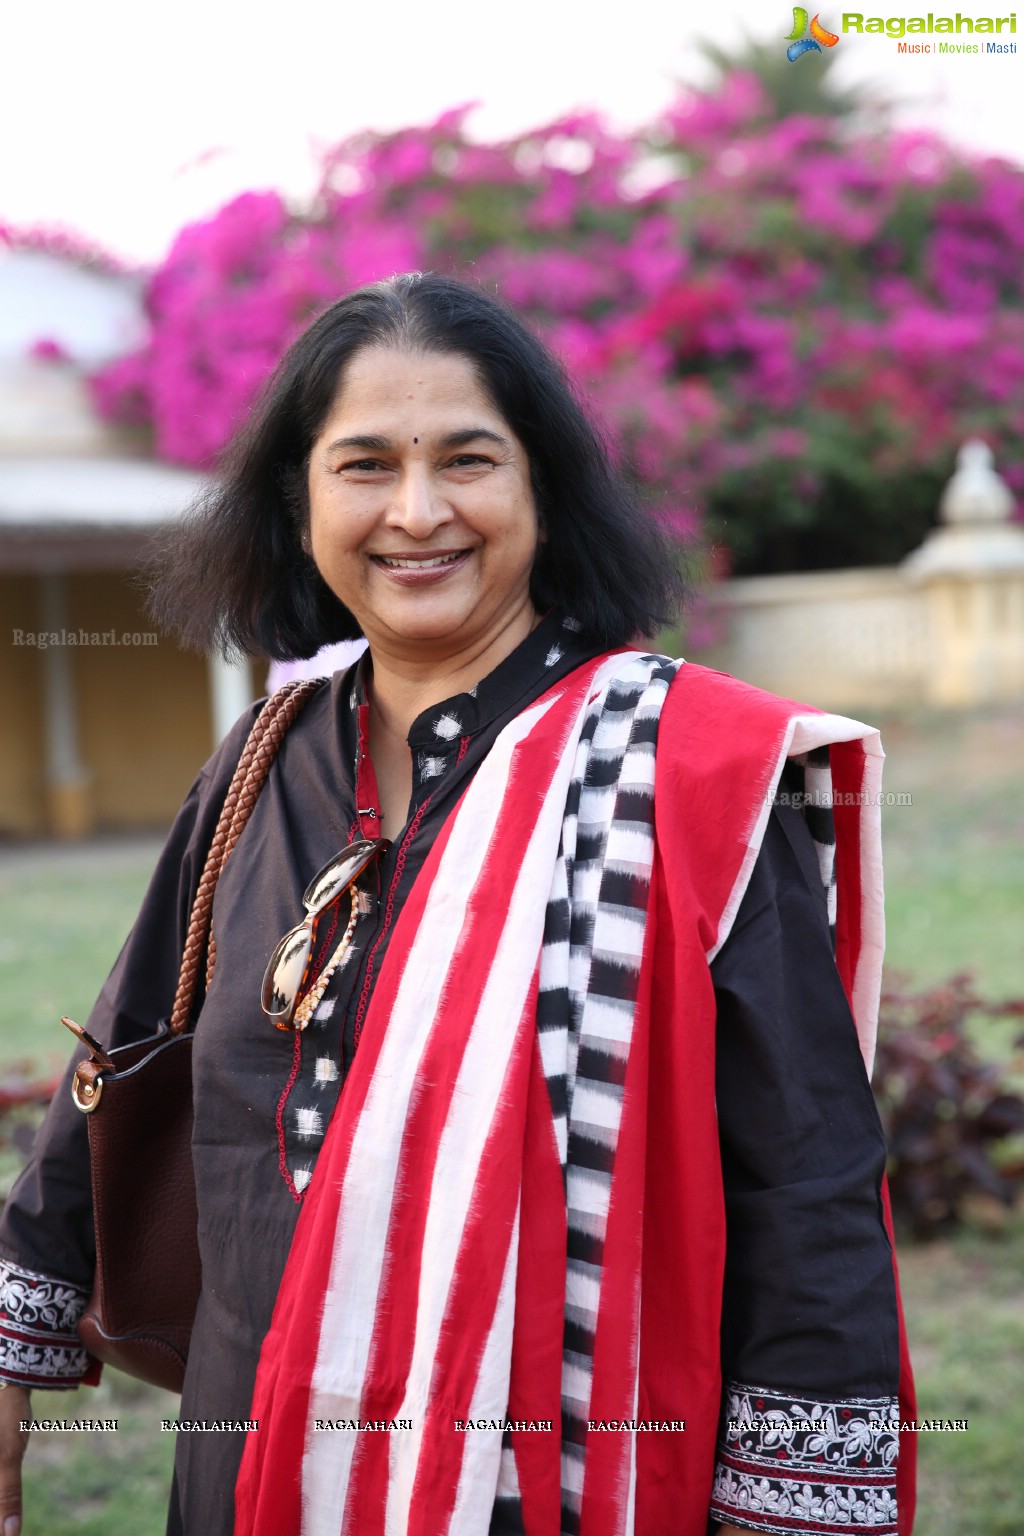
x=971 y=569
x=231 y=692
x=67 y=778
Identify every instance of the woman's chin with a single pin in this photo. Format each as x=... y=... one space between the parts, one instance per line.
x=432 y=634
x=429 y=628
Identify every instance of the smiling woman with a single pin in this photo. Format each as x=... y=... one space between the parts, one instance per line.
x=430 y=543
x=540 y=1185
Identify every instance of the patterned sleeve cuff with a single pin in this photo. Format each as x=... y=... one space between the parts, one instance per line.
x=793 y=1465
x=38 y=1343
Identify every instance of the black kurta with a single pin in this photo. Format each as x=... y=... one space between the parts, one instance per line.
x=263 y=1097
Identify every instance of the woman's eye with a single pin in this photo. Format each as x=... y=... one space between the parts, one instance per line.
x=374 y=466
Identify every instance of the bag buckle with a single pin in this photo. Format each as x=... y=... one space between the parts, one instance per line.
x=87 y=1085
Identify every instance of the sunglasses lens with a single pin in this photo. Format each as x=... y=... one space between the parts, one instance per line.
x=340 y=873
x=288 y=964
x=284 y=974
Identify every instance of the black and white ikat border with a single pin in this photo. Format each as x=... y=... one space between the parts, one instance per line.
x=590 y=963
x=38 y=1316
x=792 y=1465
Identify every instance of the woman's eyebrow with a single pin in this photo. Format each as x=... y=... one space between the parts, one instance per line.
x=371 y=443
x=472 y=435
x=367 y=441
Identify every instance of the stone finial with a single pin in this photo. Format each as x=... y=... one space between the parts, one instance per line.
x=976 y=493
x=977 y=535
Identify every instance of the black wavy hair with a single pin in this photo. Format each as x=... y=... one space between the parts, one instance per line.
x=234 y=572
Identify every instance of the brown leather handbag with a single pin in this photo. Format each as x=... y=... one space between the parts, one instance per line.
x=139 y=1102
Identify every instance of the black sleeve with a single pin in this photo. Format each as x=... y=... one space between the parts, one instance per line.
x=809 y=1293
x=810 y=1326
x=47 y=1251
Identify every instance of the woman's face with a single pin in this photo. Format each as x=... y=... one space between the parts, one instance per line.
x=422 y=518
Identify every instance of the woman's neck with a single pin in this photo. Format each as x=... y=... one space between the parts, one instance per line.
x=404 y=684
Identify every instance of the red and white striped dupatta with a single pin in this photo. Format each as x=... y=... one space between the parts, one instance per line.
x=427 y=1278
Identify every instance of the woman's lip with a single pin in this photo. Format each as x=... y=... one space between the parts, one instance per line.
x=421 y=572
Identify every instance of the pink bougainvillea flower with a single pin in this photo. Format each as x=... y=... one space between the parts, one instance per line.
x=778 y=322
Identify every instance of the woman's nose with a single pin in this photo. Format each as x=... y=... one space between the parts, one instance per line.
x=419 y=504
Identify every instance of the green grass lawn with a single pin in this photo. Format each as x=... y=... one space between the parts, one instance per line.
x=965 y=1320
x=101 y=1484
x=64 y=914
x=955 y=901
x=954 y=859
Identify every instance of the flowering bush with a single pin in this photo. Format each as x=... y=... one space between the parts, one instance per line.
x=787 y=330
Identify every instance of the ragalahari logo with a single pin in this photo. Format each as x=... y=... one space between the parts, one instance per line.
x=800 y=43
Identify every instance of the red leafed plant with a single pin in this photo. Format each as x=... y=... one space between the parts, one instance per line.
x=19 y=1087
x=954 y=1120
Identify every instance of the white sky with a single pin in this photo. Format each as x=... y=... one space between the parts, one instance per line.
x=122 y=121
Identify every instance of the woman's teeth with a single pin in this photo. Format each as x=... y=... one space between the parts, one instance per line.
x=420 y=565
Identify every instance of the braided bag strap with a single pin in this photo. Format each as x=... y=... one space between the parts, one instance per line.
x=248 y=779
